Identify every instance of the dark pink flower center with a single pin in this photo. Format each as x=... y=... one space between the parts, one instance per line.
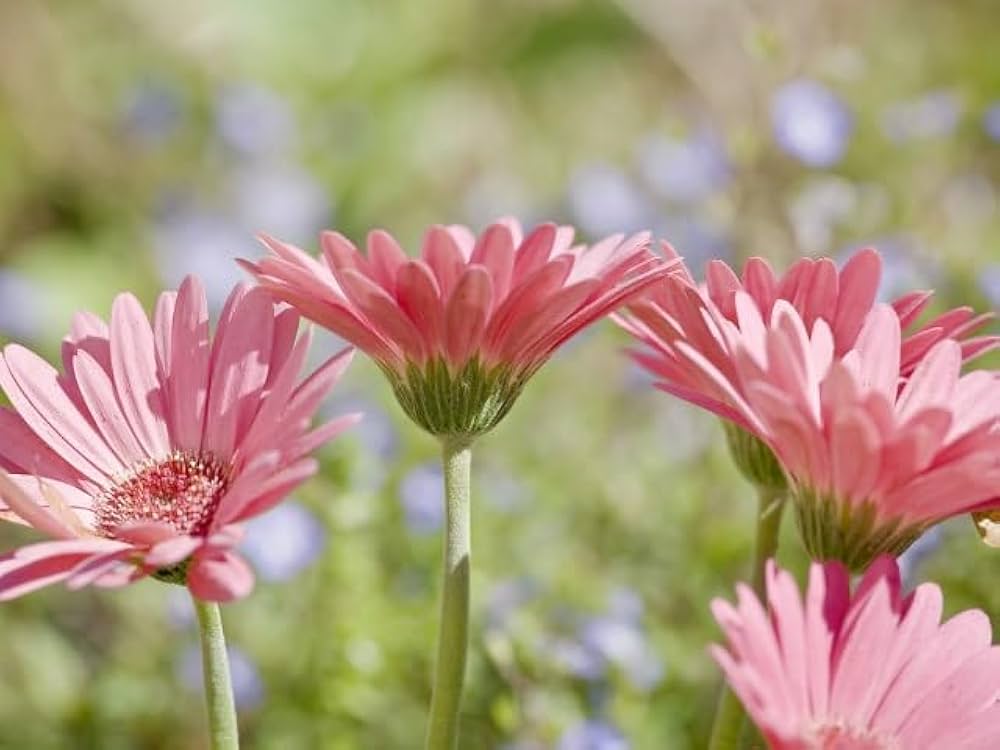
x=182 y=491
x=838 y=736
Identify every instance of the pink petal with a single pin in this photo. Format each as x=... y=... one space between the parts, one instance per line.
x=23 y=451
x=933 y=382
x=286 y=331
x=20 y=577
x=340 y=254
x=100 y=399
x=495 y=251
x=171 y=551
x=133 y=362
x=444 y=258
x=419 y=296
x=384 y=314
x=386 y=258
x=722 y=287
x=466 y=315
x=276 y=488
x=760 y=284
x=534 y=252
x=859 y=282
x=240 y=363
x=191 y=351
x=220 y=579
x=878 y=346
x=145 y=533
x=32 y=386
x=524 y=301
x=818 y=293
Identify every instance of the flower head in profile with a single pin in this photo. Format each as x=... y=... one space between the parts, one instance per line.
x=146 y=453
x=871 y=465
x=868 y=670
x=691 y=332
x=459 y=330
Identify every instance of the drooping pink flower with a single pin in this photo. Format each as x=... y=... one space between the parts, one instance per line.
x=146 y=453
x=690 y=333
x=872 y=670
x=870 y=464
x=459 y=330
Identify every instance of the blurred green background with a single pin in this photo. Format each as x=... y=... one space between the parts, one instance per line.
x=142 y=140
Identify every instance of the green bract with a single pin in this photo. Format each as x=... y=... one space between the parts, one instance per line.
x=754 y=459
x=852 y=534
x=466 y=403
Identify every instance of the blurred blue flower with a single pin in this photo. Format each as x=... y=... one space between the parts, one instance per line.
x=593 y=734
x=280 y=199
x=284 y=541
x=151 y=112
x=623 y=643
x=810 y=122
x=421 y=493
x=507 y=596
x=375 y=436
x=604 y=200
x=376 y=433
x=189 y=240
x=495 y=194
x=253 y=121
x=989 y=283
x=820 y=207
x=685 y=170
x=991 y=121
x=576 y=658
x=626 y=604
x=918 y=552
x=25 y=305
x=248 y=687
x=180 y=611
x=697 y=238
x=932 y=115
x=503 y=491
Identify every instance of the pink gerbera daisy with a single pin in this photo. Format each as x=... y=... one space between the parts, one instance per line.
x=143 y=457
x=688 y=331
x=870 y=464
x=459 y=330
x=875 y=670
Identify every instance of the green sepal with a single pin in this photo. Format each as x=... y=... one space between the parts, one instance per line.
x=461 y=404
x=176 y=574
x=850 y=533
x=754 y=459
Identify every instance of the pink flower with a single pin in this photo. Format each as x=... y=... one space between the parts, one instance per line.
x=871 y=465
x=870 y=671
x=143 y=457
x=690 y=354
x=460 y=330
x=691 y=334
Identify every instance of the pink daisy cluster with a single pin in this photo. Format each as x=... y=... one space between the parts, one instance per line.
x=146 y=453
x=868 y=670
x=459 y=330
x=877 y=431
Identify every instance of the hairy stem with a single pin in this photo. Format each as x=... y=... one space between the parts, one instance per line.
x=449 y=669
x=218 y=684
x=727 y=728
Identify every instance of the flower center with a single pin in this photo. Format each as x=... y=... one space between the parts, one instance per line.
x=183 y=490
x=838 y=736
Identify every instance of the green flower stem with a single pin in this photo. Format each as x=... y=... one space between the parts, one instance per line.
x=727 y=728
x=453 y=636
x=218 y=684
